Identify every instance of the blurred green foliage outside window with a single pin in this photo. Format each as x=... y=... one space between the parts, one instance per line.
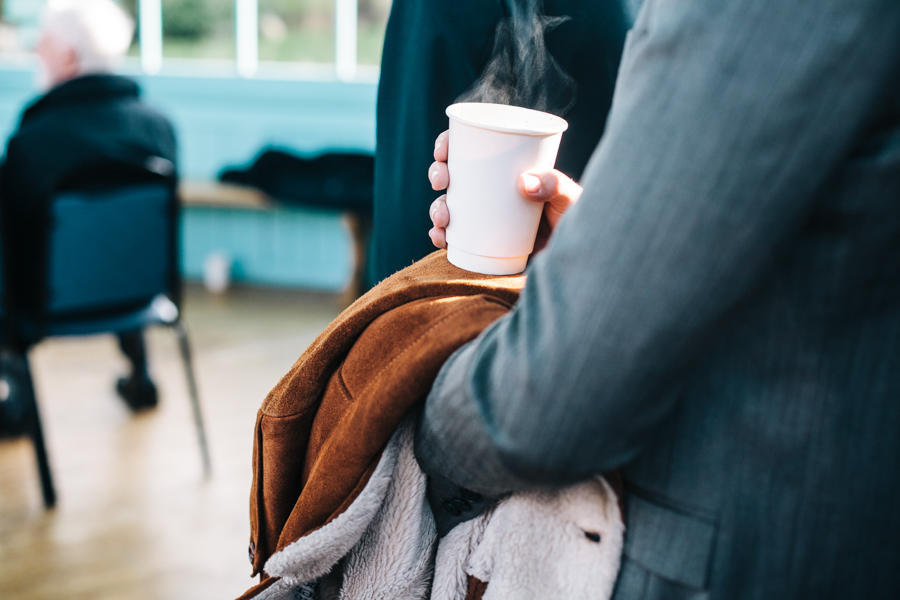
x=373 y=16
x=303 y=30
x=289 y=30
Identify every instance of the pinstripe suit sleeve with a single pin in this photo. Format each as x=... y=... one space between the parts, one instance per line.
x=727 y=122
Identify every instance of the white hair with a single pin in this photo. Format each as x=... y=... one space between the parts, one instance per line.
x=99 y=31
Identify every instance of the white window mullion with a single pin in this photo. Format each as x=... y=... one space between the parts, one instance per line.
x=247 y=34
x=150 y=15
x=345 y=16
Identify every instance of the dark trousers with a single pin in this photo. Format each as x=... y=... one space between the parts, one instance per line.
x=132 y=345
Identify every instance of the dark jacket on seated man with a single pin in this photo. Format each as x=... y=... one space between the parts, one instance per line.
x=92 y=131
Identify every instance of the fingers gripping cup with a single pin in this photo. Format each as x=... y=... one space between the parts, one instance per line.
x=492 y=227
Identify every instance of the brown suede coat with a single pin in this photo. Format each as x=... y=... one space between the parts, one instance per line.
x=320 y=432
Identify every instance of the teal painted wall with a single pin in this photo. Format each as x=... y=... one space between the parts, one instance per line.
x=289 y=247
x=225 y=121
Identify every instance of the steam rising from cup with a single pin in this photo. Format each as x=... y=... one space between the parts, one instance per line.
x=521 y=71
x=509 y=122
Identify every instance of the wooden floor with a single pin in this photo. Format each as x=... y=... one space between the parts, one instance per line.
x=135 y=518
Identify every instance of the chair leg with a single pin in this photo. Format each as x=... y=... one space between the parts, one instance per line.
x=181 y=332
x=36 y=432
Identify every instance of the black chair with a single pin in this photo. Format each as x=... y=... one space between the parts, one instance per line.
x=112 y=266
x=18 y=408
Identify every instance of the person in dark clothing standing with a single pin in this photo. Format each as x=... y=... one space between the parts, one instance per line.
x=434 y=51
x=90 y=130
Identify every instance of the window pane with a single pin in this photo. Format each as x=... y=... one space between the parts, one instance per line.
x=296 y=30
x=19 y=25
x=198 y=28
x=373 y=16
x=131 y=7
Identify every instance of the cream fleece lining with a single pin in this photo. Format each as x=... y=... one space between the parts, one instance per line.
x=563 y=544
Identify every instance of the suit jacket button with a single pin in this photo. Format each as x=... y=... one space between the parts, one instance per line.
x=470 y=495
x=461 y=504
x=451 y=508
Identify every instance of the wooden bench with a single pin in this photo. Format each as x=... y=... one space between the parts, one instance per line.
x=230 y=196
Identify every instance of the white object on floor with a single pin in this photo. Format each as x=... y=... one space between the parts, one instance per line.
x=217 y=267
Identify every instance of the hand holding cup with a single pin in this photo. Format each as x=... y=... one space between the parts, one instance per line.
x=552 y=187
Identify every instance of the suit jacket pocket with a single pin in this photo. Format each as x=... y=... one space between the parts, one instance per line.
x=636 y=582
x=676 y=545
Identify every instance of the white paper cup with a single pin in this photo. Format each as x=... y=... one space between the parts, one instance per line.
x=492 y=227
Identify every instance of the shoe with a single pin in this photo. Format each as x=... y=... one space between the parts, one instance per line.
x=138 y=393
x=13 y=417
x=12 y=414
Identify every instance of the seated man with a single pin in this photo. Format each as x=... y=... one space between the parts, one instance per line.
x=89 y=130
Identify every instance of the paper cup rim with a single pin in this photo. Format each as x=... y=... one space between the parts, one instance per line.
x=552 y=125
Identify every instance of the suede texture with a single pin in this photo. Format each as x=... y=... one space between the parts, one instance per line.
x=321 y=431
x=476 y=588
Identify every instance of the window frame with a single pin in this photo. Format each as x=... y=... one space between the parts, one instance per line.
x=346 y=17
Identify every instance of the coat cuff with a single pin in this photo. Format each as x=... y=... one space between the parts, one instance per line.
x=452 y=441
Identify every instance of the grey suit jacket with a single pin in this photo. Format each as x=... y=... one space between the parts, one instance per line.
x=719 y=316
